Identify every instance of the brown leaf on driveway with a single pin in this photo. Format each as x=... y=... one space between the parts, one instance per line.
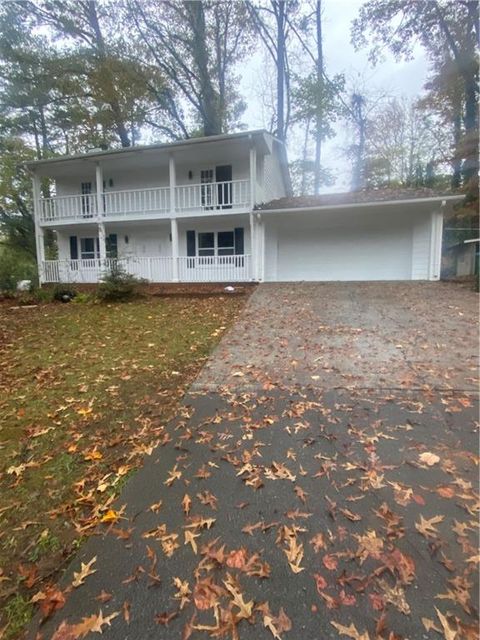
x=428 y=458
x=350 y=631
x=206 y=594
x=426 y=526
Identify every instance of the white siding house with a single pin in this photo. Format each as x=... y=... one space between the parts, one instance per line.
x=219 y=209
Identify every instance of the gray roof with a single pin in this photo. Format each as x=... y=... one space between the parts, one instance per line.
x=101 y=153
x=357 y=197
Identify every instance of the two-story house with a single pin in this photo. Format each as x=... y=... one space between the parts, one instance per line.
x=219 y=209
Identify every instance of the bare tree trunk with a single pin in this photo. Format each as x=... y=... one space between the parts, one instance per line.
x=470 y=164
x=457 y=161
x=102 y=57
x=318 y=120
x=304 y=159
x=358 y=178
x=280 y=16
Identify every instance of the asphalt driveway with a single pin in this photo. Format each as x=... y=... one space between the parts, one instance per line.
x=319 y=482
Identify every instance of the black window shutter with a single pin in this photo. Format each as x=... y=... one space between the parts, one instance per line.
x=73 y=248
x=239 y=244
x=190 y=243
x=112 y=245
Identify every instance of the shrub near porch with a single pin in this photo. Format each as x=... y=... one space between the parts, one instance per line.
x=86 y=391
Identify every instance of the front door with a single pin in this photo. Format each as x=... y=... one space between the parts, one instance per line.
x=223 y=177
x=207 y=193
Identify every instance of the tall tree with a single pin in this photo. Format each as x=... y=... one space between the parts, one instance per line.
x=90 y=67
x=359 y=119
x=316 y=98
x=195 y=46
x=440 y=26
x=272 y=20
x=413 y=152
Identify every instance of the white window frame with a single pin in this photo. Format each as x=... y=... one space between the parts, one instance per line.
x=95 y=252
x=215 y=244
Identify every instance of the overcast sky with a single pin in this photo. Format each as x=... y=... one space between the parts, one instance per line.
x=395 y=78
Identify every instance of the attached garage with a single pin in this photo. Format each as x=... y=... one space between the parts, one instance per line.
x=395 y=240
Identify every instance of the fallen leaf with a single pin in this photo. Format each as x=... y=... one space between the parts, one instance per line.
x=426 y=526
x=190 y=539
x=183 y=592
x=186 y=504
x=350 y=631
x=85 y=571
x=429 y=458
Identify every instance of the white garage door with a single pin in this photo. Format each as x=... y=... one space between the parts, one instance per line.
x=366 y=247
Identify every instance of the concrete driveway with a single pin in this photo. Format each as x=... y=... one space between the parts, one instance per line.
x=320 y=481
x=352 y=335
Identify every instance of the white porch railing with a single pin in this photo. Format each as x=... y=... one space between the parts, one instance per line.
x=214 y=269
x=154 y=269
x=83 y=207
x=211 y=197
x=136 y=201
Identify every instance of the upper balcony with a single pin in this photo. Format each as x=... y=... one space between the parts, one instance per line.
x=196 y=177
x=152 y=202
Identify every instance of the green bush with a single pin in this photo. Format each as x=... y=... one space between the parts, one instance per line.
x=83 y=298
x=34 y=296
x=14 y=267
x=118 y=286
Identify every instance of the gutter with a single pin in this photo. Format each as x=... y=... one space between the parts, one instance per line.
x=359 y=205
x=150 y=147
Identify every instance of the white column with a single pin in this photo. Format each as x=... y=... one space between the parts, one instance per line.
x=253 y=252
x=99 y=191
x=101 y=226
x=39 y=235
x=259 y=247
x=262 y=251
x=253 y=175
x=172 y=182
x=102 y=242
x=174 y=232
x=436 y=236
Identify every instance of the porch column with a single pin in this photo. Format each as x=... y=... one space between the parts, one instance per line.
x=253 y=175
x=39 y=234
x=99 y=192
x=261 y=251
x=259 y=247
x=174 y=232
x=102 y=242
x=172 y=183
x=253 y=252
x=436 y=233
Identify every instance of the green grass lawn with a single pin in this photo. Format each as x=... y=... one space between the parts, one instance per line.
x=85 y=392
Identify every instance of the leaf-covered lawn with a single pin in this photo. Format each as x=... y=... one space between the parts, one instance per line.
x=85 y=391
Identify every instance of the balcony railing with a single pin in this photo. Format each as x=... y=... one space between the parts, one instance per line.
x=154 y=269
x=147 y=203
x=212 y=196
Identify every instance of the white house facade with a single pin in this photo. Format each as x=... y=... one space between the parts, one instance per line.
x=219 y=209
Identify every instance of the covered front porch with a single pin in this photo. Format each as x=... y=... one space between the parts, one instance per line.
x=176 y=250
x=233 y=268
